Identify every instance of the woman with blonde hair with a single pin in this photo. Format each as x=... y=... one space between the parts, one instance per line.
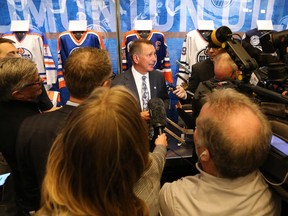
x=100 y=162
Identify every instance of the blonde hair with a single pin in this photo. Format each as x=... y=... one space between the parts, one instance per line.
x=98 y=157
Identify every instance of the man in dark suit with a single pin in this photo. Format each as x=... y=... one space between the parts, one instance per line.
x=143 y=80
x=14 y=113
x=85 y=69
x=20 y=88
x=8 y=50
x=143 y=56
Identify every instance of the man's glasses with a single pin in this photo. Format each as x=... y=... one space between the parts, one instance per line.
x=38 y=82
x=112 y=76
x=213 y=47
x=109 y=78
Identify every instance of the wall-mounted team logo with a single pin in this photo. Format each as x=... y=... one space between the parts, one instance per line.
x=202 y=55
x=25 y=53
x=284 y=22
x=221 y=3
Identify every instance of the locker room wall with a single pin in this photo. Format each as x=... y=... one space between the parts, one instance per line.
x=173 y=17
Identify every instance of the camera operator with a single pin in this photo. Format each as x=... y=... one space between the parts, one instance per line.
x=225 y=69
x=201 y=71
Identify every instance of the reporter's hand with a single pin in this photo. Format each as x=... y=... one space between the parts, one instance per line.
x=161 y=140
x=180 y=92
x=145 y=115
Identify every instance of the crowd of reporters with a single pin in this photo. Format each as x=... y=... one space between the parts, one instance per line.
x=92 y=156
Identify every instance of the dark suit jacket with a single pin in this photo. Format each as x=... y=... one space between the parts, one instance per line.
x=157 y=85
x=12 y=114
x=35 y=138
x=201 y=71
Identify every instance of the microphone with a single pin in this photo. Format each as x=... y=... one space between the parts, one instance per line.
x=220 y=35
x=157 y=113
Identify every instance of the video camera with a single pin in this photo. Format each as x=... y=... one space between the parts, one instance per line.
x=275 y=42
x=265 y=77
x=255 y=80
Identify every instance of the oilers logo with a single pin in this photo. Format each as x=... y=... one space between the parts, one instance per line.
x=284 y=22
x=221 y=3
x=255 y=40
x=202 y=55
x=73 y=50
x=25 y=53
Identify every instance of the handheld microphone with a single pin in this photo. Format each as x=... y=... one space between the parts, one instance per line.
x=158 y=114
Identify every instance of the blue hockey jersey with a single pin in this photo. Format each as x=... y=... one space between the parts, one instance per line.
x=67 y=43
x=159 y=41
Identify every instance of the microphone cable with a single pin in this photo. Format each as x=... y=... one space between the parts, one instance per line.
x=274 y=183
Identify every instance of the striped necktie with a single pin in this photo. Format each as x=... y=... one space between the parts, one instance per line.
x=144 y=93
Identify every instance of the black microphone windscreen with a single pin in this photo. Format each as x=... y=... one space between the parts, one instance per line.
x=157 y=112
x=220 y=35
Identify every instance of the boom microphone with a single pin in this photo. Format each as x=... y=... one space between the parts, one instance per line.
x=157 y=114
x=220 y=35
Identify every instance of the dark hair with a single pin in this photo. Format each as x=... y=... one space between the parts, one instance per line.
x=85 y=69
x=136 y=46
x=6 y=40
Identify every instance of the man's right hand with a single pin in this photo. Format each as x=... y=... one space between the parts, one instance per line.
x=180 y=92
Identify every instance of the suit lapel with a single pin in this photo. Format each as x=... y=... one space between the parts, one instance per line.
x=153 y=84
x=130 y=82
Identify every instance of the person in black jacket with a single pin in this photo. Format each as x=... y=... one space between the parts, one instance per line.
x=224 y=69
x=20 y=87
x=85 y=69
x=201 y=71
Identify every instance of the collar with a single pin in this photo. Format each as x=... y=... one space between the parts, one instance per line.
x=226 y=182
x=70 y=103
x=137 y=74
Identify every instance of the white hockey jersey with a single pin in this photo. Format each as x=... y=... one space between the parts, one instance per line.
x=193 y=51
x=33 y=45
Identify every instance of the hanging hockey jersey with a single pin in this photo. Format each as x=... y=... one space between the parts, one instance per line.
x=67 y=43
x=159 y=41
x=252 y=36
x=193 y=51
x=33 y=45
x=259 y=39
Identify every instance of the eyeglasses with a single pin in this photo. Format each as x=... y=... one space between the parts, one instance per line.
x=112 y=76
x=38 y=82
x=212 y=47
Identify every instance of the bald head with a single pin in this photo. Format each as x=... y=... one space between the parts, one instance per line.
x=234 y=131
x=224 y=67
